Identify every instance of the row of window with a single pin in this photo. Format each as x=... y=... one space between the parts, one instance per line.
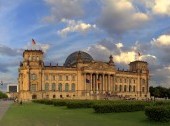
x=33 y=58
x=124 y=80
x=53 y=87
x=133 y=81
x=61 y=77
x=54 y=77
x=125 y=88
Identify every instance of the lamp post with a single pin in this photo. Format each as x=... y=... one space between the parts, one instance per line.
x=1 y=83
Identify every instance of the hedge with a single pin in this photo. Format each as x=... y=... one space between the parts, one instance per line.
x=158 y=113
x=158 y=103
x=80 y=104
x=118 y=107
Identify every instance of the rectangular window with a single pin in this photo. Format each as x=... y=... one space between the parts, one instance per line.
x=73 y=78
x=46 y=77
x=53 y=87
x=60 y=78
x=53 y=77
x=67 y=77
x=143 y=89
x=46 y=87
x=120 y=80
x=33 y=87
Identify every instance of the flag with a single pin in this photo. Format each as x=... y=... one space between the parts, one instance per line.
x=33 y=42
x=139 y=54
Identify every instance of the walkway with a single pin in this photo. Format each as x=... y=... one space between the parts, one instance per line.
x=4 y=105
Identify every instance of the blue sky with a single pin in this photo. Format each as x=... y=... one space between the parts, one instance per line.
x=100 y=27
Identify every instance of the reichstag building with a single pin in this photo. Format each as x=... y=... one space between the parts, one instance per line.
x=81 y=77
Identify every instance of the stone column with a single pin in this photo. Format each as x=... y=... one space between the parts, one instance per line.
x=108 y=84
x=91 y=83
x=85 y=83
x=97 y=80
x=103 y=83
x=93 y=78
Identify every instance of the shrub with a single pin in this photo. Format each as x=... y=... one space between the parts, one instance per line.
x=3 y=95
x=79 y=104
x=118 y=107
x=158 y=113
x=158 y=103
x=60 y=102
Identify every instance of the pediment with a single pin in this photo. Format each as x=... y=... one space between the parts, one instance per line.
x=99 y=66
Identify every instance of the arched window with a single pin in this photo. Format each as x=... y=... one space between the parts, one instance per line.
x=143 y=89
x=130 y=88
x=115 y=87
x=53 y=86
x=46 y=87
x=124 y=88
x=134 y=89
x=66 y=87
x=73 y=87
x=120 y=88
x=60 y=87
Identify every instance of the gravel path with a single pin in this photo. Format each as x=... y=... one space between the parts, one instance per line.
x=4 y=105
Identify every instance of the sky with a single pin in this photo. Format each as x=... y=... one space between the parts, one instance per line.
x=121 y=28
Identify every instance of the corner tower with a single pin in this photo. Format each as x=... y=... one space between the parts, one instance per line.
x=32 y=58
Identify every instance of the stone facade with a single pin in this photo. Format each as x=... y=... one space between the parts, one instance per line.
x=80 y=77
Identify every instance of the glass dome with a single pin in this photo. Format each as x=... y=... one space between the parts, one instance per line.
x=72 y=58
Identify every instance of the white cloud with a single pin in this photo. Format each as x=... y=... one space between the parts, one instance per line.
x=64 y=9
x=75 y=26
x=151 y=59
x=161 y=7
x=44 y=47
x=125 y=57
x=119 y=45
x=38 y=46
x=119 y=16
x=163 y=40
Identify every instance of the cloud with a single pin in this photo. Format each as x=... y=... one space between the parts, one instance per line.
x=4 y=50
x=161 y=7
x=123 y=56
x=75 y=26
x=120 y=16
x=163 y=40
x=103 y=49
x=119 y=45
x=38 y=46
x=67 y=9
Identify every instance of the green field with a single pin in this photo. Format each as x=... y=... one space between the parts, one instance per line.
x=32 y=114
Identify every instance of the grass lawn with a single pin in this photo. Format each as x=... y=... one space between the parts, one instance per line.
x=31 y=114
